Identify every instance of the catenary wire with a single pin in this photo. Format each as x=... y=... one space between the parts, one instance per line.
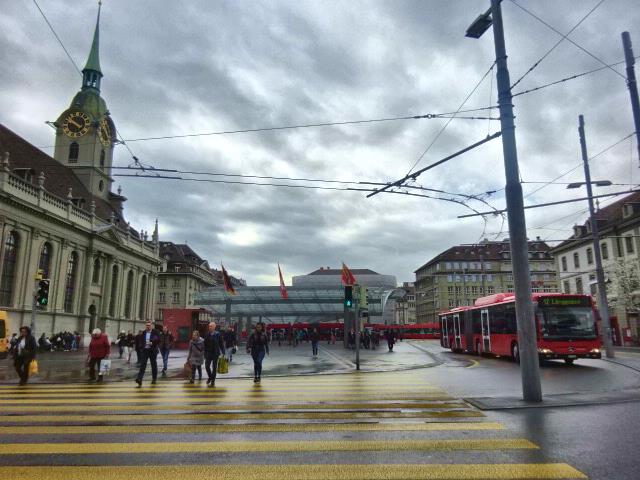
x=567 y=38
x=451 y=119
x=556 y=44
x=57 y=37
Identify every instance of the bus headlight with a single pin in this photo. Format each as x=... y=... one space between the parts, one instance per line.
x=545 y=350
x=595 y=350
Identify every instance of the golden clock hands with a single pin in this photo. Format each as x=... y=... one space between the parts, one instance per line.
x=71 y=120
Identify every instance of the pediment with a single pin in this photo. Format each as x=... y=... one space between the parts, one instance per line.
x=108 y=232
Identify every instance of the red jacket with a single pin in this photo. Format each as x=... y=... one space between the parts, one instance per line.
x=99 y=347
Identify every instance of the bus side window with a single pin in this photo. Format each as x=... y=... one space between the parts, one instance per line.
x=475 y=321
x=498 y=323
x=510 y=319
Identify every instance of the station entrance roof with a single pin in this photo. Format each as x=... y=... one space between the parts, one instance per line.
x=307 y=303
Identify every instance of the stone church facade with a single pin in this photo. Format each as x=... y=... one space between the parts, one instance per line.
x=59 y=215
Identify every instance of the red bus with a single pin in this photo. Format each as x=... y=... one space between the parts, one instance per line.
x=565 y=324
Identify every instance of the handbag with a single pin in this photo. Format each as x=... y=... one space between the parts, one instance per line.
x=33 y=367
x=223 y=365
x=186 y=370
x=105 y=366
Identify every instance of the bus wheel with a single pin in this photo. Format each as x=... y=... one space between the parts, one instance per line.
x=515 y=353
x=569 y=361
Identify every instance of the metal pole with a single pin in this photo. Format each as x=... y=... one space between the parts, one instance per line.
x=633 y=87
x=527 y=342
x=465 y=295
x=603 y=305
x=357 y=322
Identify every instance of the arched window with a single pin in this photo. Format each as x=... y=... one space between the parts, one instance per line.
x=142 y=309
x=95 y=278
x=128 y=294
x=9 y=269
x=114 y=292
x=70 y=283
x=44 y=263
x=74 y=152
x=102 y=158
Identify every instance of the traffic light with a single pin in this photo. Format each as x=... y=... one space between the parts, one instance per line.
x=348 y=296
x=42 y=295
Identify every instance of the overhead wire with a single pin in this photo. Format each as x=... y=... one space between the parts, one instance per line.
x=564 y=37
x=57 y=37
x=567 y=38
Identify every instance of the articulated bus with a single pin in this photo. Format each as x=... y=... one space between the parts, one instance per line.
x=565 y=325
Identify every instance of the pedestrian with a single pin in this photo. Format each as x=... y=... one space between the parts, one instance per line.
x=351 y=339
x=147 y=346
x=138 y=342
x=122 y=338
x=213 y=347
x=258 y=346
x=196 y=355
x=315 y=339
x=391 y=339
x=129 y=344
x=99 y=349
x=229 y=338
x=24 y=353
x=166 y=345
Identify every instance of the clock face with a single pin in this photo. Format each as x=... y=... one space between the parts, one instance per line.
x=76 y=124
x=104 y=132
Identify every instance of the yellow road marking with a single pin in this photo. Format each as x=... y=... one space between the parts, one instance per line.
x=254 y=427
x=267 y=446
x=481 y=471
x=235 y=416
x=475 y=363
x=180 y=405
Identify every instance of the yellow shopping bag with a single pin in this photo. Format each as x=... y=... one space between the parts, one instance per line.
x=223 y=365
x=33 y=367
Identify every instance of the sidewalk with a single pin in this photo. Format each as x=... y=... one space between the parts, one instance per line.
x=69 y=367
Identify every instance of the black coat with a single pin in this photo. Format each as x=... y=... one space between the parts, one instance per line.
x=154 y=338
x=257 y=342
x=213 y=344
x=29 y=350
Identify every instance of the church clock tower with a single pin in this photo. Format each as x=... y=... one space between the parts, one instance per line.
x=85 y=133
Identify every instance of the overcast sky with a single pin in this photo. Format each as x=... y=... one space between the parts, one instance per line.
x=176 y=68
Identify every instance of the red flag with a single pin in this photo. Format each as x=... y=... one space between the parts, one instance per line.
x=347 y=276
x=228 y=287
x=283 y=288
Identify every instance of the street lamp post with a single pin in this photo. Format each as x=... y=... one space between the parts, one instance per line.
x=602 y=288
x=527 y=340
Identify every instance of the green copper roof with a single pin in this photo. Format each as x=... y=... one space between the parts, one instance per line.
x=93 y=62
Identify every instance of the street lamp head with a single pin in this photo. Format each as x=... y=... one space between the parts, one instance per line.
x=479 y=25
x=575 y=185
x=597 y=183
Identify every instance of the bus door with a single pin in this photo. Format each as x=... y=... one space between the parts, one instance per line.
x=486 y=332
x=456 y=332
x=445 y=332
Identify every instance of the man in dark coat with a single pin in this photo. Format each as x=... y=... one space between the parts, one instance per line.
x=147 y=344
x=23 y=353
x=213 y=348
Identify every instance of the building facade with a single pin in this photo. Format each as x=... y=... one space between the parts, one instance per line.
x=405 y=312
x=619 y=231
x=59 y=216
x=463 y=273
x=182 y=274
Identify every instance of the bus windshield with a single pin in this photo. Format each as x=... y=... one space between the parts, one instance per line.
x=568 y=323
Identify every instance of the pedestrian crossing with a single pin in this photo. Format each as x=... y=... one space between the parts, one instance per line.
x=358 y=426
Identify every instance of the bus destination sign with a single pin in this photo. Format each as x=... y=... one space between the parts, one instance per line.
x=565 y=301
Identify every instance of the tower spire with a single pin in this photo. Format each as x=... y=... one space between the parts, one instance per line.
x=91 y=73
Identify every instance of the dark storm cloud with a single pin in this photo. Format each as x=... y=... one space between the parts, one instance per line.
x=176 y=68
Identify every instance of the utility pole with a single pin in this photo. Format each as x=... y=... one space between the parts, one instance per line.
x=357 y=322
x=527 y=341
x=465 y=295
x=602 y=288
x=633 y=87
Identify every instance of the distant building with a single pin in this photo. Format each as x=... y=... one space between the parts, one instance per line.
x=332 y=277
x=183 y=273
x=405 y=312
x=463 y=273
x=619 y=230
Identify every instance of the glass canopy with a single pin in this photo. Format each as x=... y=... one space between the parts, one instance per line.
x=303 y=303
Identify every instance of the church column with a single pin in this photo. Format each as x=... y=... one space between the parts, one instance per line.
x=84 y=281
x=107 y=274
